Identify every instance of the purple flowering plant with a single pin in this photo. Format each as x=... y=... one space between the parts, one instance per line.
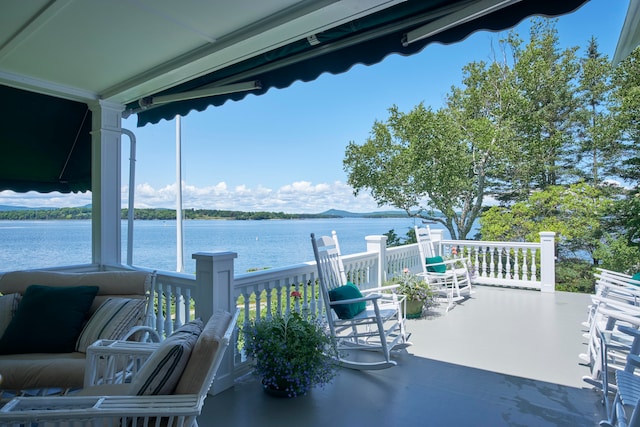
x=292 y=353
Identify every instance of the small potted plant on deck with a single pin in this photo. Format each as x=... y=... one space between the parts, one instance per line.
x=292 y=353
x=417 y=291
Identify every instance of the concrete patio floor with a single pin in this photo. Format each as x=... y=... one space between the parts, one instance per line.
x=504 y=357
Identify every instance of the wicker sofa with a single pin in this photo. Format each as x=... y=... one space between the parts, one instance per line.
x=44 y=332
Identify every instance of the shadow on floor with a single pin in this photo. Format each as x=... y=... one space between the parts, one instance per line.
x=417 y=392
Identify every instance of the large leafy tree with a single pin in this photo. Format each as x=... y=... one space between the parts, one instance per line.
x=574 y=212
x=419 y=162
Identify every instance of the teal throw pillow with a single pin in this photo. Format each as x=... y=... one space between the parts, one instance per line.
x=636 y=277
x=348 y=291
x=48 y=320
x=439 y=268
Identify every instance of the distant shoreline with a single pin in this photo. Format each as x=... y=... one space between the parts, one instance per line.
x=84 y=213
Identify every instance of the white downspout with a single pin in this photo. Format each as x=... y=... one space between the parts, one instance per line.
x=179 y=232
x=132 y=182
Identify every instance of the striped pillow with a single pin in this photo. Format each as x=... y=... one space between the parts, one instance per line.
x=162 y=370
x=111 y=321
x=8 y=306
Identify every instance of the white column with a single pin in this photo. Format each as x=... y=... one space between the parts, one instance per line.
x=378 y=244
x=214 y=282
x=547 y=261
x=105 y=182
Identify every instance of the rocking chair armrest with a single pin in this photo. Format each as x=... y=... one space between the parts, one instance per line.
x=616 y=304
x=370 y=297
x=380 y=289
x=620 y=315
x=635 y=333
x=446 y=262
x=25 y=410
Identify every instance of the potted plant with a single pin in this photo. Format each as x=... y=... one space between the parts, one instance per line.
x=292 y=353
x=418 y=294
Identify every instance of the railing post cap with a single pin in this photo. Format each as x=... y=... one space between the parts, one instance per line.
x=547 y=234
x=216 y=255
x=376 y=238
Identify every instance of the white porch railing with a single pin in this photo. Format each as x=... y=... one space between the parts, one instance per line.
x=178 y=298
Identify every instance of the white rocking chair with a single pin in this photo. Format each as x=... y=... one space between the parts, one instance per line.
x=371 y=319
x=448 y=278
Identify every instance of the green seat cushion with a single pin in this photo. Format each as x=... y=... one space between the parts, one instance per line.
x=48 y=320
x=348 y=291
x=636 y=277
x=439 y=268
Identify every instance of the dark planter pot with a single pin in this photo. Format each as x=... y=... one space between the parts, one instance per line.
x=414 y=309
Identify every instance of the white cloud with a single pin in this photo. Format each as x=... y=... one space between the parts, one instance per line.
x=44 y=200
x=297 y=197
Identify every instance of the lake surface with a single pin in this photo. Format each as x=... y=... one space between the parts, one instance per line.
x=259 y=244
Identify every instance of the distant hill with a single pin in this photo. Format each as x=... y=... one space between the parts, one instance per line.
x=346 y=214
x=5 y=208
x=84 y=212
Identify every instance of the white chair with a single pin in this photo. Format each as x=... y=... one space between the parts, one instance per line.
x=447 y=277
x=370 y=319
x=627 y=388
x=175 y=380
x=614 y=308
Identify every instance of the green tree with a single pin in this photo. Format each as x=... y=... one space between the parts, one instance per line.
x=598 y=150
x=575 y=213
x=544 y=120
x=420 y=162
x=626 y=78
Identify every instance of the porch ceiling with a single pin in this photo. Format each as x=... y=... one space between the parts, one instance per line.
x=71 y=53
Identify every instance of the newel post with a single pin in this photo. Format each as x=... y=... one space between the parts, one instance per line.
x=547 y=261
x=378 y=244
x=214 y=290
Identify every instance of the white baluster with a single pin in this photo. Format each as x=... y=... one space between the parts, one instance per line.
x=268 y=293
x=534 y=253
x=187 y=298
x=525 y=268
x=499 y=252
x=247 y=305
x=168 y=323
x=179 y=303
x=492 y=266
x=257 y=294
x=485 y=255
x=507 y=255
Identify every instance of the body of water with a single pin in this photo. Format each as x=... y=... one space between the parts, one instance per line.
x=259 y=244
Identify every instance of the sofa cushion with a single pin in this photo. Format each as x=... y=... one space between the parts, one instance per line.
x=126 y=284
x=41 y=370
x=203 y=353
x=8 y=306
x=111 y=321
x=48 y=320
x=162 y=370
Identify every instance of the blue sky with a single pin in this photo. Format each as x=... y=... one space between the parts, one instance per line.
x=283 y=151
